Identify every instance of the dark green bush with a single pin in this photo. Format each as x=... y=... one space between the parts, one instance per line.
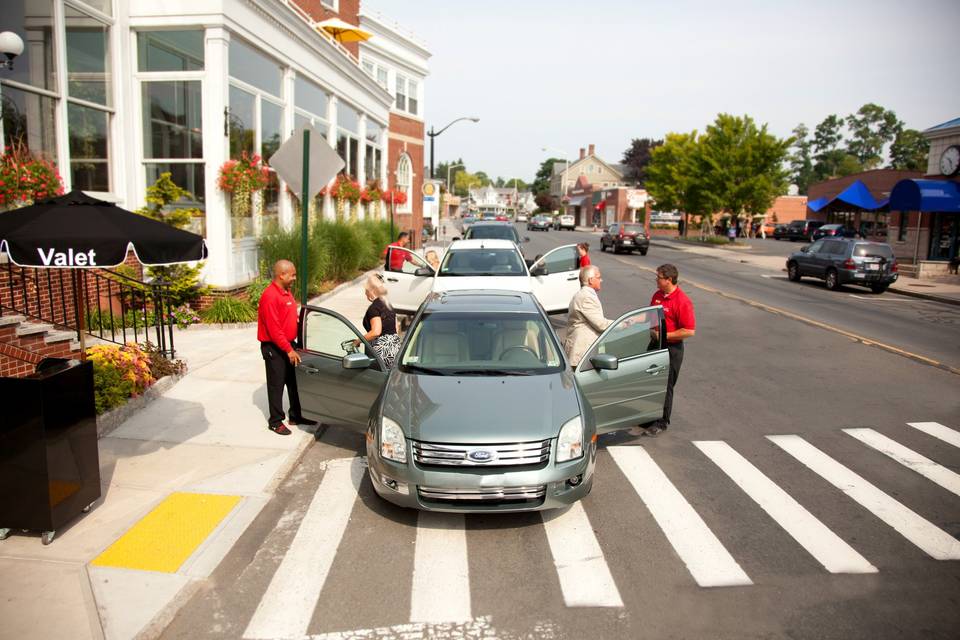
x=256 y=289
x=278 y=244
x=227 y=310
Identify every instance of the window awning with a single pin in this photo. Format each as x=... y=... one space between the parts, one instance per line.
x=942 y=196
x=856 y=194
x=819 y=203
x=576 y=201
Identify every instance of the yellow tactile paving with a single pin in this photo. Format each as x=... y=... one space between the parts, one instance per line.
x=168 y=535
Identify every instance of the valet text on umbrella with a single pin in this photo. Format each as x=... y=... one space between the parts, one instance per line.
x=54 y=258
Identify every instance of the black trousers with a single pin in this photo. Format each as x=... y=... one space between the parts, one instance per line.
x=280 y=372
x=676 y=360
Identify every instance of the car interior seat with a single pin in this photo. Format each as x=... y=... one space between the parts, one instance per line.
x=514 y=334
x=444 y=345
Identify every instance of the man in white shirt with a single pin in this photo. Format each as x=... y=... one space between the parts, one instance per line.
x=585 y=320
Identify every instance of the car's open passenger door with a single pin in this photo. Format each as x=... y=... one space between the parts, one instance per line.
x=337 y=382
x=555 y=278
x=408 y=278
x=624 y=373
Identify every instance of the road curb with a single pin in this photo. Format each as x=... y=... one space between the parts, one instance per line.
x=926 y=296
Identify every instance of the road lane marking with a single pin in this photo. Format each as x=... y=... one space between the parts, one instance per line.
x=824 y=545
x=584 y=575
x=932 y=540
x=939 y=431
x=710 y=564
x=908 y=458
x=167 y=536
x=288 y=604
x=815 y=323
x=441 y=574
x=879 y=299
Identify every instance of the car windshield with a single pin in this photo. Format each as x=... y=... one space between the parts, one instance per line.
x=633 y=228
x=492 y=232
x=482 y=262
x=481 y=344
x=873 y=251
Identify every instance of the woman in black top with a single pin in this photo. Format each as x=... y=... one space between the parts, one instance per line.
x=380 y=321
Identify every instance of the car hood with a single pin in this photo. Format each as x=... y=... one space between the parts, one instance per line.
x=500 y=283
x=480 y=410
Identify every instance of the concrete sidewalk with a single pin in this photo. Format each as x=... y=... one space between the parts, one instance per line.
x=203 y=442
x=927 y=289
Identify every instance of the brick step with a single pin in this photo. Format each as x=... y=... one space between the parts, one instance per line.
x=32 y=328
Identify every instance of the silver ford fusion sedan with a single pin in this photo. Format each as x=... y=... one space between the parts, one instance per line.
x=482 y=411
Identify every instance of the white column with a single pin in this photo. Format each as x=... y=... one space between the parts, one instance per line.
x=384 y=167
x=216 y=93
x=328 y=205
x=362 y=160
x=286 y=212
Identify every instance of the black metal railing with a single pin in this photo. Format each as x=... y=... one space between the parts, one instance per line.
x=114 y=307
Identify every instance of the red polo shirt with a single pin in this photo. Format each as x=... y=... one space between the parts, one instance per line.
x=277 y=317
x=397 y=258
x=677 y=310
x=585 y=260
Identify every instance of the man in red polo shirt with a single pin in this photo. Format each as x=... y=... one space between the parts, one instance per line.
x=277 y=319
x=681 y=324
x=397 y=258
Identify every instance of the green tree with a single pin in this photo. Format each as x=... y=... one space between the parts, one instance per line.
x=483 y=178
x=871 y=128
x=453 y=166
x=637 y=157
x=739 y=167
x=541 y=181
x=466 y=181
x=801 y=160
x=671 y=175
x=516 y=182
x=909 y=151
x=826 y=147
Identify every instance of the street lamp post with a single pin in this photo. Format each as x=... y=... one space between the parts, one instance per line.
x=433 y=134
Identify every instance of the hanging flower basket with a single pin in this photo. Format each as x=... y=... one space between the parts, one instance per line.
x=394 y=196
x=345 y=189
x=25 y=178
x=242 y=178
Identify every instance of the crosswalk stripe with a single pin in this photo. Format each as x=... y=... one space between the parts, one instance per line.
x=441 y=574
x=932 y=540
x=584 y=575
x=823 y=544
x=710 y=564
x=908 y=458
x=288 y=604
x=938 y=430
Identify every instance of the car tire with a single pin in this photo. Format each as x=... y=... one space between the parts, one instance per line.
x=812 y=238
x=603 y=247
x=878 y=288
x=616 y=249
x=793 y=272
x=643 y=252
x=832 y=280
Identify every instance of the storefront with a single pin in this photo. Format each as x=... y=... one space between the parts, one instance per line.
x=936 y=202
x=118 y=92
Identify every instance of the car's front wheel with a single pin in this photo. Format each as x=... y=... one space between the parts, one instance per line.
x=793 y=272
x=603 y=247
x=878 y=288
x=833 y=280
x=643 y=252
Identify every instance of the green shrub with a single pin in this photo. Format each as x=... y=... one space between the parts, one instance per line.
x=160 y=365
x=376 y=236
x=278 y=244
x=184 y=282
x=103 y=320
x=344 y=246
x=228 y=310
x=256 y=288
x=119 y=373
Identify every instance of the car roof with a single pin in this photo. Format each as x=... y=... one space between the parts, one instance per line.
x=487 y=243
x=481 y=300
x=493 y=223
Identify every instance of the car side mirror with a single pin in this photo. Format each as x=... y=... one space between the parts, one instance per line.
x=356 y=361
x=606 y=361
x=423 y=271
x=805 y=248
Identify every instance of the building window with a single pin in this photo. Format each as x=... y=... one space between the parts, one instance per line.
x=405 y=181
x=170 y=50
x=89 y=98
x=333 y=5
x=311 y=103
x=406 y=95
x=412 y=103
x=373 y=160
x=382 y=77
x=401 y=85
x=29 y=91
x=348 y=140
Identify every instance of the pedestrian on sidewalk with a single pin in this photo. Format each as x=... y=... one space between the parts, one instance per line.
x=585 y=319
x=380 y=321
x=681 y=324
x=398 y=258
x=583 y=249
x=277 y=320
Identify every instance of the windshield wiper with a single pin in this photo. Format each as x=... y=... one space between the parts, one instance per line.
x=426 y=370
x=491 y=372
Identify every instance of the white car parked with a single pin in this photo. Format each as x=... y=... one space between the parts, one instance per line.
x=483 y=264
x=565 y=221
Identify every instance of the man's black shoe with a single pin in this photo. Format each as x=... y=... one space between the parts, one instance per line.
x=307 y=422
x=654 y=430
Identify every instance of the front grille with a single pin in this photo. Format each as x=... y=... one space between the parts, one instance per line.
x=499 y=495
x=470 y=455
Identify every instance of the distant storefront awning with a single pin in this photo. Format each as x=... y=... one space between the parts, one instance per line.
x=601 y=205
x=925 y=195
x=576 y=201
x=856 y=195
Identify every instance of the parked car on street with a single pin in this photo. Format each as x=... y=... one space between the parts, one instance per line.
x=482 y=412
x=494 y=230
x=521 y=217
x=834 y=231
x=625 y=236
x=779 y=232
x=467 y=220
x=484 y=264
x=539 y=223
x=839 y=261
x=800 y=230
x=565 y=221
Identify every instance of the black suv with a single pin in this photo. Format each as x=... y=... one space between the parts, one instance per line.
x=625 y=236
x=840 y=261
x=799 y=230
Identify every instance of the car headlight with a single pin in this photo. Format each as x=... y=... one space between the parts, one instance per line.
x=570 y=441
x=393 y=444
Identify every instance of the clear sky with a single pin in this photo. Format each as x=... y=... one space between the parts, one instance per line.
x=561 y=74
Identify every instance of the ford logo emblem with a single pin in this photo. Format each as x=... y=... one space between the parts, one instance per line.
x=481 y=455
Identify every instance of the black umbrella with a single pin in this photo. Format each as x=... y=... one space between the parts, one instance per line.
x=76 y=230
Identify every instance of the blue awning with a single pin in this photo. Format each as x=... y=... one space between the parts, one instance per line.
x=925 y=195
x=819 y=203
x=856 y=194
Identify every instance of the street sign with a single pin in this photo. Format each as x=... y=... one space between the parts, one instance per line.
x=323 y=166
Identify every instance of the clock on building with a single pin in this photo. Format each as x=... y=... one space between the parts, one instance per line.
x=950 y=161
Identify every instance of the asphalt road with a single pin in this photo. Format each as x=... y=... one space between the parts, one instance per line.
x=776 y=392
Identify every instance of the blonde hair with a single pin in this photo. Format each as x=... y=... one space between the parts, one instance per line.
x=374 y=285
